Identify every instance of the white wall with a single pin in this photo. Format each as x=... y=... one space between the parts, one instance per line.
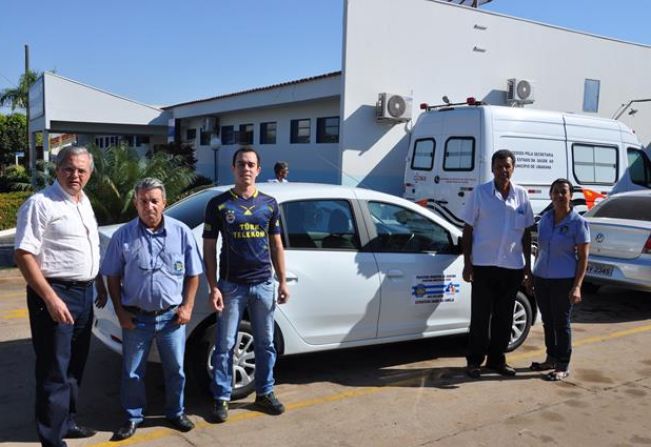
x=427 y=49
x=307 y=162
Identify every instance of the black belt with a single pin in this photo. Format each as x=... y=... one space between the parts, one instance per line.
x=71 y=283
x=149 y=313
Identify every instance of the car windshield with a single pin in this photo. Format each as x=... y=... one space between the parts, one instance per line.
x=191 y=210
x=624 y=207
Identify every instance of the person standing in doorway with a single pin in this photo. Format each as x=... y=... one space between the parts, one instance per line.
x=57 y=252
x=497 y=257
x=249 y=225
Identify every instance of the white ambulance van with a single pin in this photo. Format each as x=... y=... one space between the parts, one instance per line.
x=451 y=147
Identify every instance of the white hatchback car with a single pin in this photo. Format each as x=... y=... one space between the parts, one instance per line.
x=620 y=245
x=363 y=268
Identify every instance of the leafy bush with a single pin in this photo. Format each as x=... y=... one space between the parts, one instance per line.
x=9 y=204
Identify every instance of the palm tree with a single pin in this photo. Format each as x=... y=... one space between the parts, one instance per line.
x=118 y=168
x=18 y=97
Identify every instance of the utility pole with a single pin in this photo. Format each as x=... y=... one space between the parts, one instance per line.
x=31 y=153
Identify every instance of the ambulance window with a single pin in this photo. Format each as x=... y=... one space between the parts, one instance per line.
x=595 y=164
x=459 y=154
x=639 y=167
x=423 y=156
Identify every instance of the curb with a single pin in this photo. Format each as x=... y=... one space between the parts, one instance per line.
x=9 y=232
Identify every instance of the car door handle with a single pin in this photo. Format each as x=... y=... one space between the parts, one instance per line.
x=291 y=278
x=395 y=274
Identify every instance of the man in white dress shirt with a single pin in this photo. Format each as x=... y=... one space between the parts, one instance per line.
x=497 y=256
x=57 y=251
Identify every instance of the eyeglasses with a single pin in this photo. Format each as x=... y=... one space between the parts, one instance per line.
x=244 y=164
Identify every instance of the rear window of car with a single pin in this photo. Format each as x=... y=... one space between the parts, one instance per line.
x=191 y=211
x=624 y=207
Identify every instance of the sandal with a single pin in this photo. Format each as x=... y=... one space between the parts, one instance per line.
x=544 y=366
x=556 y=376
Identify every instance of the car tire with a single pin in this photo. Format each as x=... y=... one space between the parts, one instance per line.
x=522 y=321
x=590 y=287
x=243 y=360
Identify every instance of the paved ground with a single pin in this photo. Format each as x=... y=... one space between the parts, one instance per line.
x=407 y=394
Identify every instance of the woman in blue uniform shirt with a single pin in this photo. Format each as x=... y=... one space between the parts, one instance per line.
x=561 y=262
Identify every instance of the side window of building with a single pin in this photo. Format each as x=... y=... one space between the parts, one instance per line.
x=595 y=164
x=327 y=130
x=228 y=135
x=401 y=230
x=422 y=158
x=300 y=131
x=319 y=224
x=204 y=138
x=459 y=154
x=190 y=134
x=639 y=167
x=268 y=133
x=246 y=134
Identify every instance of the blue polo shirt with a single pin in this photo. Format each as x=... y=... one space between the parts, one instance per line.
x=246 y=224
x=556 y=245
x=152 y=264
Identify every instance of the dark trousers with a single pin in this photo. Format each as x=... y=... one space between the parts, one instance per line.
x=553 y=298
x=61 y=351
x=493 y=299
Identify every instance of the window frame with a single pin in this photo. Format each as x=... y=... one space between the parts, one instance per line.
x=594 y=146
x=294 y=130
x=472 y=156
x=322 y=137
x=227 y=134
x=413 y=154
x=264 y=132
x=245 y=133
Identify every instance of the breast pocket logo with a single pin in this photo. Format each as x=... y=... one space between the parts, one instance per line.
x=178 y=266
x=229 y=216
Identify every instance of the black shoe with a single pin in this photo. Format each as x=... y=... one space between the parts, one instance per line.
x=182 y=423
x=473 y=371
x=127 y=430
x=220 y=410
x=502 y=369
x=269 y=404
x=79 y=431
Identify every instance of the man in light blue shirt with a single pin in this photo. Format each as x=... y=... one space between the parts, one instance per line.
x=153 y=267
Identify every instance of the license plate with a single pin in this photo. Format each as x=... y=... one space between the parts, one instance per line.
x=600 y=269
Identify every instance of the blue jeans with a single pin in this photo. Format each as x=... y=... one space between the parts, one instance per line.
x=552 y=296
x=170 y=341
x=260 y=300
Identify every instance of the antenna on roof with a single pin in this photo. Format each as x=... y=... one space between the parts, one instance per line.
x=471 y=3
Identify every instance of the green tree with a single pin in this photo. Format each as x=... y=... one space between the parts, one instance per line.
x=118 y=168
x=13 y=137
x=17 y=97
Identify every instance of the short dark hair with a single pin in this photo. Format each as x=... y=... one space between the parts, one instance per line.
x=561 y=181
x=502 y=154
x=280 y=165
x=244 y=149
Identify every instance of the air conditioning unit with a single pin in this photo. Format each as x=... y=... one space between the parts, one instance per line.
x=393 y=108
x=519 y=91
x=210 y=124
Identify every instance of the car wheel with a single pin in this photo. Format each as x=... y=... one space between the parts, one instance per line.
x=522 y=320
x=590 y=287
x=243 y=360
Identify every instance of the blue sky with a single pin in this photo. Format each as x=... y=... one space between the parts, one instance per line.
x=164 y=52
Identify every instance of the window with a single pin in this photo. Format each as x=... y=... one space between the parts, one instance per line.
x=401 y=230
x=204 y=138
x=623 y=207
x=327 y=130
x=190 y=134
x=423 y=156
x=228 y=135
x=268 y=133
x=459 y=154
x=300 y=131
x=319 y=224
x=595 y=164
x=191 y=210
x=246 y=134
x=591 y=95
x=639 y=167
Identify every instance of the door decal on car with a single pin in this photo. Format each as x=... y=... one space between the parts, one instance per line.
x=427 y=289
